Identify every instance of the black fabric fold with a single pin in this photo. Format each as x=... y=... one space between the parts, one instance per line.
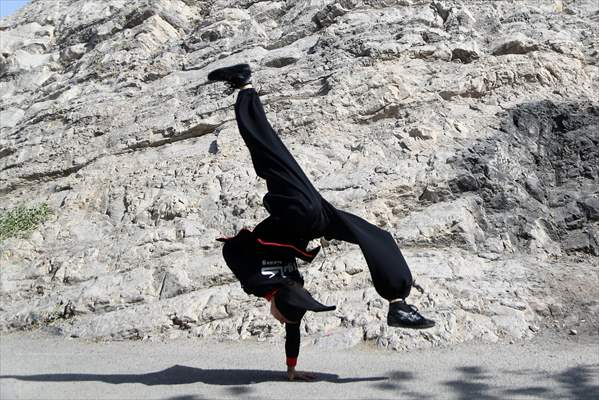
x=296 y=296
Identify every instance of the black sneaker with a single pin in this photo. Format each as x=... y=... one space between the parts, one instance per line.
x=403 y=315
x=236 y=75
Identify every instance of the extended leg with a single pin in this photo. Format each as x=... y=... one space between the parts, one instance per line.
x=294 y=204
x=390 y=273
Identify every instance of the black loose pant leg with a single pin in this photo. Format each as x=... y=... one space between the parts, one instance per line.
x=293 y=203
x=299 y=213
x=389 y=270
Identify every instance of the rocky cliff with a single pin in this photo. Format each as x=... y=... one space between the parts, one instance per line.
x=468 y=129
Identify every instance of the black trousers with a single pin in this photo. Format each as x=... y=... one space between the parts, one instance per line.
x=298 y=213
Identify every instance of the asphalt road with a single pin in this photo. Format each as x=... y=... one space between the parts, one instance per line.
x=39 y=367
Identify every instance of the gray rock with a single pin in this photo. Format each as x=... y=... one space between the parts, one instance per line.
x=465 y=52
x=515 y=45
x=590 y=206
x=341 y=339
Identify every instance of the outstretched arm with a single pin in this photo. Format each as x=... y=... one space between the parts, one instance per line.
x=292 y=345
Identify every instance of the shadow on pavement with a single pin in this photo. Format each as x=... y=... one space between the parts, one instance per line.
x=581 y=382
x=577 y=383
x=181 y=375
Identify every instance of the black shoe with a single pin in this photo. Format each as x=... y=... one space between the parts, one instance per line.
x=403 y=315
x=236 y=75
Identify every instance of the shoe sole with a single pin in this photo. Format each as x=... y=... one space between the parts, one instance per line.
x=242 y=68
x=412 y=326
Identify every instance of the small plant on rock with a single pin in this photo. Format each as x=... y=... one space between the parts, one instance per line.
x=22 y=220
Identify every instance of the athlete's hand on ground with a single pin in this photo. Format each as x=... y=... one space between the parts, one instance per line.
x=294 y=375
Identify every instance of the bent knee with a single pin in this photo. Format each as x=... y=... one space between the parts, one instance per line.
x=311 y=211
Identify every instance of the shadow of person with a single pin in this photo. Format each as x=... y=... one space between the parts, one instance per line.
x=181 y=375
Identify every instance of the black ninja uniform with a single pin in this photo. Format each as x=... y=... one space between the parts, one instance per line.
x=298 y=214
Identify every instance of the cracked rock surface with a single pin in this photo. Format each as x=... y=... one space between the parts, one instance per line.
x=468 y=129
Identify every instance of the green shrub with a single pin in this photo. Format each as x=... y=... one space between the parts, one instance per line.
x=21 y=220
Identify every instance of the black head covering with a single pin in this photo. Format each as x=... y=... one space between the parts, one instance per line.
x=293 y=301
x=293 y=314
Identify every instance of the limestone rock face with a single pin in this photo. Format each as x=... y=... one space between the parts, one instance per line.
x=467 y=129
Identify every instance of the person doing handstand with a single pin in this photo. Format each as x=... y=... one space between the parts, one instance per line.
x=264 y=259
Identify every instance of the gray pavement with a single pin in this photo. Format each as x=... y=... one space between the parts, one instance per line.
x=40 y=367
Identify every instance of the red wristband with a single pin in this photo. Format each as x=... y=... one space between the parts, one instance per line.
x=291 y=361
